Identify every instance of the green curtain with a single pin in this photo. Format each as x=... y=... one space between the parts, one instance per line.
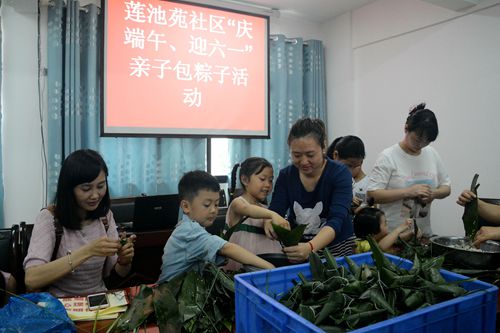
x=136 y=165
x=297 y=89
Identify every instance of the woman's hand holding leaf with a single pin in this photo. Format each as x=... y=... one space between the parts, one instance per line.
x=465 y=197
x=298 y=253
x=126 y=252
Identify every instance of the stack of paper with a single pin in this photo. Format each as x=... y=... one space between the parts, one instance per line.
x=78 y=308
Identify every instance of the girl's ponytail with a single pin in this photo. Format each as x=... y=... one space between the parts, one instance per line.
x=234 y=178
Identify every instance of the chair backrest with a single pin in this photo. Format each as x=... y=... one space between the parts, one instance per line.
x=25 y=231
x=24 y=238
x=9 y=254
x=483 y=222
x=123 y=209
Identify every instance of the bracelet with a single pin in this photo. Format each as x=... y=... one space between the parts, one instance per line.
x=311 y=246
x=70 y=262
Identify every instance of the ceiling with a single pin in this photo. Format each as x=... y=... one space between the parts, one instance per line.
x=311 y=10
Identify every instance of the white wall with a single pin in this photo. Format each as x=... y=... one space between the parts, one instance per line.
x=293 y=27
x=21 y=138
x=404 y=52
x=339 y=76
x=21 y=141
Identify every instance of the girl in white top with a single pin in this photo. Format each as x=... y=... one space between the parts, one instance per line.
x=410 y=173
x=255 y=233
x=350 y=151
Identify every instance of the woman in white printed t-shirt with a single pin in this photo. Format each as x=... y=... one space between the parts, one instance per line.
x=409 y=175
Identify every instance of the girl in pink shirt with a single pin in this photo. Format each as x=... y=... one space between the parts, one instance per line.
x=255 y=233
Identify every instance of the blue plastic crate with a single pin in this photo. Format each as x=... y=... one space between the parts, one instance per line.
x=257 y=308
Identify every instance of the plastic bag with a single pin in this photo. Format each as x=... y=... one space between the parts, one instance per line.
x=35 y=313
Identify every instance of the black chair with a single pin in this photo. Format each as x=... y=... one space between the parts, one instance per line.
x=25 y=231
x=9 y=254
x=123 y=210
x=483 y=222
x=9 y=249
x=220 y=221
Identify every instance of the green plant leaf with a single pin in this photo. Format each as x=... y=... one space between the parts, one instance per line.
x=331 y=263
x=289 y=237
x=334 y=303
x=166 y=308
x=415 y=300
x=190 y=304
x=138 y=311
x=317 y=268
x=353 y=267
x=307 y=312
x=379 y=257
x=470 y=217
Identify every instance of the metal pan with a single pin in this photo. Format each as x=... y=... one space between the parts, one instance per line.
x=277 y=259
x=486 y=257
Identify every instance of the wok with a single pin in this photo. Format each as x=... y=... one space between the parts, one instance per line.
x=277 y=259
x=455 y=250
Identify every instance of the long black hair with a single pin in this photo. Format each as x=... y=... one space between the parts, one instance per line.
x=423 y=122
x=250 y=166
x=81 y=166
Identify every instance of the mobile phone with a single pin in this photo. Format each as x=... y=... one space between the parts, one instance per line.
x=97 y=301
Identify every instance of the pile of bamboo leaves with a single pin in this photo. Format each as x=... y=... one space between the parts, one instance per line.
x=339 y=298
x=189 y=302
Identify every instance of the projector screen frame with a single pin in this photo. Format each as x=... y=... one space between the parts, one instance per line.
x=207 y=134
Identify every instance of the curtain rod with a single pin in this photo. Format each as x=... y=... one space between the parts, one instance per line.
x=287 y=40
x=242 y=6
x=83 y=3
x=229 y=4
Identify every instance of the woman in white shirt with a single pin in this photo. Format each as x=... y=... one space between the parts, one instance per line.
x=409 y=175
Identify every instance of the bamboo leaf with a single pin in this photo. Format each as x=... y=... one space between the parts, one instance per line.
x=355 y=288
x=366 y=273
x=416 y=265
x=375 y=295
x=166 y=308
x=189 y=303
x=447 y=290
x=332 y=329
x=470 y=217
x=404 y=280
x=435 y=262
x=415 y=300
x=353 y=267
x=307 y=312
x=357 y=319
x=317 y=268
x=335 y=302
x=331 y=263
x=138 y=311
x=435 y=276
x=289 y=237
x=379 y=257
